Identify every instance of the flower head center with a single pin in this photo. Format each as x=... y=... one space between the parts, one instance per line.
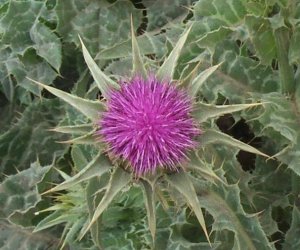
x=148 y=123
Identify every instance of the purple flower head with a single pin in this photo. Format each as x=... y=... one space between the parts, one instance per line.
x=148 y=124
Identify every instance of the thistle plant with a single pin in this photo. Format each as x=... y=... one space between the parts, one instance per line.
x=150 y=131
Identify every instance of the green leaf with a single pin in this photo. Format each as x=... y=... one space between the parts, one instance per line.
x=286 y=71
x=8 y=67
x=47 y=44
x=104 y=83
x=19 y=193
x=97 y=167
x=200 y=79
x=185 y=235
x=15 y=68
x=123 y=225
x=138 y=64
x=269 y=199
x=297 y=92
x=203 y=111
x=7 y=114
x=183 y=184
x=267 y=222
x=224 y=204
x=19 y=18
x=294 y=50
x=24 y=36
x=280 y=123
x=209 y=39
x=120 y=68
x=256 y=8
x=35 y=68
x=167 y=12
x=213 y=136
x=205 y=169
x=229 y=12
x=73 y=117
x=262 y=36
x=213 y=23
x=167 y=69
x=108 y=24
x=149 y=196
x=14 y=237
x=292 y=240
x=30 y=139
x=90 y=109
x=147 y=43
x=119 y=179
x=238 y=75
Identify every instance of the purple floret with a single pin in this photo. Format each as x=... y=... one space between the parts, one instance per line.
x=148 y=124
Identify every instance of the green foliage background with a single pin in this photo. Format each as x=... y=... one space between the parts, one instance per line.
x=257 y=42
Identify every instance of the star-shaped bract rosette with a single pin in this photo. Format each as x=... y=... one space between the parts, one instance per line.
x=151 y=122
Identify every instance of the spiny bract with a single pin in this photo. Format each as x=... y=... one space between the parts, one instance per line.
x=148 y=123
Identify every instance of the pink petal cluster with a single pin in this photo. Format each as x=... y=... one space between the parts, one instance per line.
x=148 y=124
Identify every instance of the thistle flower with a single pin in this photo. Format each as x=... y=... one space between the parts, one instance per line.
x=148 y=123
